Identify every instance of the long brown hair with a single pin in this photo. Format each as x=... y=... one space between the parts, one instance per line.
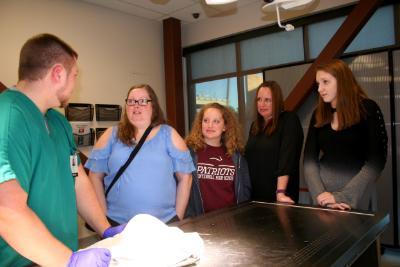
x=126 y=131
x=259 y=124
x=231 y=138
x=349 y=106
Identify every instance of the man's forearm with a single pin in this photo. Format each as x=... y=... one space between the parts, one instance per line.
x=88 y=205
x=26 y=233
x=97 y=181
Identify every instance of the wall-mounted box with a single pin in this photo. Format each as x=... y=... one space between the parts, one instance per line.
x=107 y=112
x=79 y=112
x=83 y=134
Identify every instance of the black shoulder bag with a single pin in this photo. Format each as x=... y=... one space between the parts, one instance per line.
x=131 y=156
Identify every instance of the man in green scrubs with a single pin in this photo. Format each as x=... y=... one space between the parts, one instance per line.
x=42 y=183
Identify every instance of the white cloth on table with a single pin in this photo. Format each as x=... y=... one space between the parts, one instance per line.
x=147 y=241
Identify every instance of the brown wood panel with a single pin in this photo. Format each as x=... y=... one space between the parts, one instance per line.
x=174 y=74
x=354 y=22
x=2 y=87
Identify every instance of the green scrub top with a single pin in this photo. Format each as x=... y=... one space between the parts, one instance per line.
x=36 y=150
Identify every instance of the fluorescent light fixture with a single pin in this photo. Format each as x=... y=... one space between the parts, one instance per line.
x=293 y=4
x=285 y=4
x=219 y=2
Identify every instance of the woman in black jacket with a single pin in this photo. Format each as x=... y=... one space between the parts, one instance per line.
x=274 y=147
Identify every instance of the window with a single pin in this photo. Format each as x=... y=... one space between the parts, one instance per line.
x=320 y=33
x=251 y=82
x=275 y=56
x=369 y=37
x=272 y=49
x=213 y=61
x=222 y=91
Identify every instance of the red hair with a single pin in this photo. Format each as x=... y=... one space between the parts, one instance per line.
x=349 y=106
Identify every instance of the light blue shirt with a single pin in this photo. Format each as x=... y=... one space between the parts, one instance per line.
x=148 y=185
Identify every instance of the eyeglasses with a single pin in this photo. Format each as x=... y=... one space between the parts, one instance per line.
x=140 y=102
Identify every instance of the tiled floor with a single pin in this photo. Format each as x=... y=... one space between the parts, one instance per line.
x=390 y=258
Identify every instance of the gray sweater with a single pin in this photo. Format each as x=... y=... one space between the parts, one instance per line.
x=348 y=162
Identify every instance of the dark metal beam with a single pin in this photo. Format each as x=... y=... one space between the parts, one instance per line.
x=354 y=22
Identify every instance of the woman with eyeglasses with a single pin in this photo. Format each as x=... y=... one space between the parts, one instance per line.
x=158 y=179
x=274 y=147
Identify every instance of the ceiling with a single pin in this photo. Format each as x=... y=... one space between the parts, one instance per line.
x=181 y=9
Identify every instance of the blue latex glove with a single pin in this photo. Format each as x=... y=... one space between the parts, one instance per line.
x=112 y=231
x=99 y=257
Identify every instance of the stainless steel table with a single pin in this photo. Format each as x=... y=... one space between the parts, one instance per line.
x=268 y=234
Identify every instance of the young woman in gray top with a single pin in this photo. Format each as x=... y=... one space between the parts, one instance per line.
x=346 y=145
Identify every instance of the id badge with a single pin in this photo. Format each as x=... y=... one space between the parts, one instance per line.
x=73 y=161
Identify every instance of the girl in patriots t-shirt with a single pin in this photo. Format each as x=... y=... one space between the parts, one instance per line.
x=221 y=178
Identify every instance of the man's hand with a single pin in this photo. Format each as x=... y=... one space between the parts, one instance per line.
x=99 y=257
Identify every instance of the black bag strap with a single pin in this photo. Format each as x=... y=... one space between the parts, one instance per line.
x=131 y=156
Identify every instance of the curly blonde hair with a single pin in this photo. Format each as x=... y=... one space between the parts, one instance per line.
x=231 y=138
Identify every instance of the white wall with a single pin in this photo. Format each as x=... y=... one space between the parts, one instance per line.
x=248 y=17
x=115 y=50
